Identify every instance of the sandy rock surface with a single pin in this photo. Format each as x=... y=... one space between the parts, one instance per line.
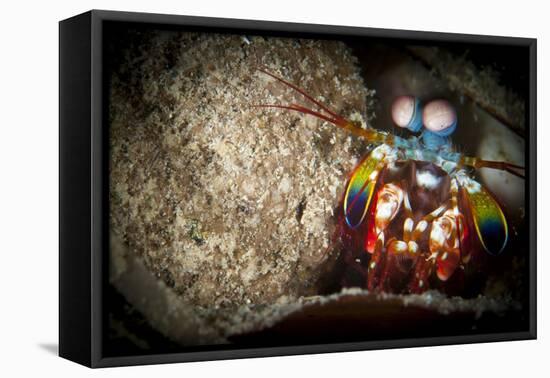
x=226 y=203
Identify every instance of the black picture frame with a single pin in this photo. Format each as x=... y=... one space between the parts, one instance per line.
x=83 y=196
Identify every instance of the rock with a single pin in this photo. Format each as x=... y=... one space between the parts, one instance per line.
x=226 y=203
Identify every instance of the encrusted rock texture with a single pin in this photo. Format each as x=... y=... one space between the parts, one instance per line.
x=227 y=203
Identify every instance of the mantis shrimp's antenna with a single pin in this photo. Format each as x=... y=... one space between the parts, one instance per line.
x=477 y=163
x=303 y=93
x=372 y=136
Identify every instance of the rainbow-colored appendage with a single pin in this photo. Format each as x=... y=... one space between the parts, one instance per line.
x=489 y=220
x=360 y=189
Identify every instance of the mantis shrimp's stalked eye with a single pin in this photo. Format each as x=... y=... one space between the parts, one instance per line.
x=440 y=121
x=406 y=112
x=439 y=117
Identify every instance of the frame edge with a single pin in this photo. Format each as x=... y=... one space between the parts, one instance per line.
x=74 y=189
x=97 y=17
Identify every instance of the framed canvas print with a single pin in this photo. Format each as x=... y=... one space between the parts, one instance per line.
x=234 y=188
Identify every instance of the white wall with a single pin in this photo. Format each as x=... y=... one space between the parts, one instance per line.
x=29 y=189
